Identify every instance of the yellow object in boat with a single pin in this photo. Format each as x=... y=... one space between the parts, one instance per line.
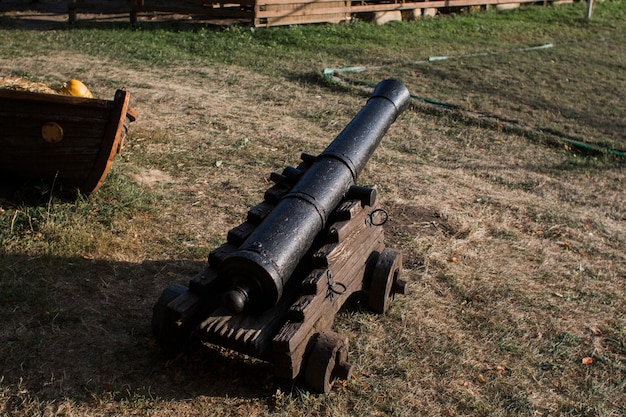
x=75 y=88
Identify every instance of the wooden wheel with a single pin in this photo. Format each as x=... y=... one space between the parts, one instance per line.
x=327 y=361
x=385 y=280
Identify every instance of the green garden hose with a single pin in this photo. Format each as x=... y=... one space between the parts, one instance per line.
x=331 y=75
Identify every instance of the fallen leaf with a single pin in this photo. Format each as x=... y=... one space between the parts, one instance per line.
x=587 y=361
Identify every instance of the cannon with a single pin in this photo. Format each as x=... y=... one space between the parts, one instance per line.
x=273 y=289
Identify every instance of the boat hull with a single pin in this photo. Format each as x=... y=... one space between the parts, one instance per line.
x=71 y=141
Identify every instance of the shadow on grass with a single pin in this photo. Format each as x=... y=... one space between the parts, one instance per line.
x=80 y=329
x=568 y=113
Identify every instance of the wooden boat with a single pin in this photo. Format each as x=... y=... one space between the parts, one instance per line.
x=68 y=141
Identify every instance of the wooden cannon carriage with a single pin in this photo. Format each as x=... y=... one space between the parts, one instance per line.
x=227 y=303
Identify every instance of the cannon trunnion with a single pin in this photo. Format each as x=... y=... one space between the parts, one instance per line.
x=273 y=289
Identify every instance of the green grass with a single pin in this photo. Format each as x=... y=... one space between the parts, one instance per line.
x=274 y=50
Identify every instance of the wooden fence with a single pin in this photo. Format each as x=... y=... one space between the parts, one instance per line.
x=262 y=13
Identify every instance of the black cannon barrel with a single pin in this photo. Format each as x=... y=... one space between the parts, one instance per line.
x=258 y=270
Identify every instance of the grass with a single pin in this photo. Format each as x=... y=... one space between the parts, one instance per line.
x=513 y=244
x=535 y=97
x=40 y=222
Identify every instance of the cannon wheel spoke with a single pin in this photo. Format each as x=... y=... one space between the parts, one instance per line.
x=327 y=361
x=385 y=280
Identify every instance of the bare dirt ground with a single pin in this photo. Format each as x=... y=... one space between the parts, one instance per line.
x=514 y=253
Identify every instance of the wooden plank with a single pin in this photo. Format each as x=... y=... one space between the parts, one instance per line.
x=303 y=13
x=264 y=3
x=288 y=364
x=275 y=193
x=320 y=258
x=31 y=143
x=121 y=6
x=289 y=12
x=217 y=255
x=372 y=7
x=347 y=210
x=237 y=235
x=60 y=99
x=19 y=112
x=34 y=165
x=110 y=142
x=301 y=309
x=222 y=12
x=70 y=177
x=204 y=282
x=288 y=337
x=314 y=282
x=202 y=3
x=197 y=5
x=259 y=212
x=340 y=230
x=296 y=20
x=28 y=132
x=185 y=305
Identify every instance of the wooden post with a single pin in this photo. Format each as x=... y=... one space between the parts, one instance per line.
x=589 y=8
x=71 y=11
x=135 y=5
